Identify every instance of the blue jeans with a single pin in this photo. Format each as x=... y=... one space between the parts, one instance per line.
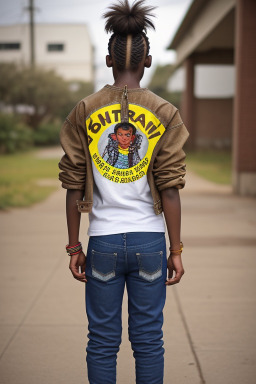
x=139 y=260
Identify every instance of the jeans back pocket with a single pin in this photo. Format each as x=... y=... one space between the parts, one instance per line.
x=150 y=265
x=103 y=265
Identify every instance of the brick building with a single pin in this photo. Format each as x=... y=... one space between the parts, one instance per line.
x=222 y=32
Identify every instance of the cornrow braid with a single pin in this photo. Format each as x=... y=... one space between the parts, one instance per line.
x=128 y=44
x=138 y=49
x=117 y=47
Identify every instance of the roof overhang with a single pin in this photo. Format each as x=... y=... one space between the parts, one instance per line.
x=208 y=25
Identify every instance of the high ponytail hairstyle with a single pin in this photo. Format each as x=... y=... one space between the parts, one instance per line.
x=128 y=44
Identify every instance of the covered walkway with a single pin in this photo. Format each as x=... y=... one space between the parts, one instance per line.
x=222 y=32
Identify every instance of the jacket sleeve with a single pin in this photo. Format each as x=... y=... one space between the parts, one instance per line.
x=169 y=167
x=73 y=162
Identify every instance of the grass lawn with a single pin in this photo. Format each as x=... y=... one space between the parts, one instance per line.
x=212 y=165
x=19 y=175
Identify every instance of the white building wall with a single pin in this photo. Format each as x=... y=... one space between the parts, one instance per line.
x=214 y=81
x=211 y=81
x=15 y=34
x=75 y=62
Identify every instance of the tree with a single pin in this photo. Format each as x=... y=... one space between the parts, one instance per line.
x=44 y=95
x=159 y=81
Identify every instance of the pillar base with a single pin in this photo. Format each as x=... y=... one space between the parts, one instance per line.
x=244 y=183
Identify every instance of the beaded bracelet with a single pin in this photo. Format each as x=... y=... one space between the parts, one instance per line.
x=178 y=251
x=74 y=249
x=72 y=253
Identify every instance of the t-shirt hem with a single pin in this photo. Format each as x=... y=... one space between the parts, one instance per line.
x=123 y=230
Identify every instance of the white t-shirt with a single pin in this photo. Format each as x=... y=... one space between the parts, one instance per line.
x=121 y=208
x=121 y=153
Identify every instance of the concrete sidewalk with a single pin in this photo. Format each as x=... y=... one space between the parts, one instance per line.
x=209 y=316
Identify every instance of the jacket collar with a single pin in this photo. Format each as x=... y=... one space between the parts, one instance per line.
x=114 y=88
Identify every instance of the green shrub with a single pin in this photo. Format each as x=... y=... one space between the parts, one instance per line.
x=47 y=134
x=14 y=135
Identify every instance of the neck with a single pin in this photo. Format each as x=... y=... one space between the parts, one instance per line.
x=127 y=78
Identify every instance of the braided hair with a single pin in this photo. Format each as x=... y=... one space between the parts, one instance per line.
x=128 y=44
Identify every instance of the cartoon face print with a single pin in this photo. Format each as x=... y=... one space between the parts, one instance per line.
x=121 y=150
x=124 y=137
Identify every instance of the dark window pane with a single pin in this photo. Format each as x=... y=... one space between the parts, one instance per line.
x=9 y=46
x=55 y=47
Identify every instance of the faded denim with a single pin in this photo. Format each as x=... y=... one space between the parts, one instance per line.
x=137 y=260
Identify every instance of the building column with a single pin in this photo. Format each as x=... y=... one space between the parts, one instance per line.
x=187 y=105
x=244 y=137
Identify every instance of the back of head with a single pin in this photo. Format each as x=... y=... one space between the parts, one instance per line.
x=128 y=44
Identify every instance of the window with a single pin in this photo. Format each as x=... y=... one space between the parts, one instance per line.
x=214 y=81
x=9 y=46
x=55 y=47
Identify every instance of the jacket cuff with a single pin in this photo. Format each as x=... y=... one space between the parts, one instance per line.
x=177 y=183
x=72 y=186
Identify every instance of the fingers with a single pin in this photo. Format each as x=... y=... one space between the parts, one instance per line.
x=77 y=275
x=76 y=262
x=170 y=267
x=174 y=263
x=176 y=279
x=170 y=273
x=82 y=267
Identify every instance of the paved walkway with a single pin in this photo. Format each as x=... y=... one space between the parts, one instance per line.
x=209 y=317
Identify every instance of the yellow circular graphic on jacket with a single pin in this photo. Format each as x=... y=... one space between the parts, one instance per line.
x=122 y=152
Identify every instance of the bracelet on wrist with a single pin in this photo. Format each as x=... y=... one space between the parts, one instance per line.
x=74 y=249
x=177 y=251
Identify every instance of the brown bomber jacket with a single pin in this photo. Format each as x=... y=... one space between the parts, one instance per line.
x=166 y=168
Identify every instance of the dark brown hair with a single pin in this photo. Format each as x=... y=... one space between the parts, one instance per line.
x=125 y=126
x=128 y=43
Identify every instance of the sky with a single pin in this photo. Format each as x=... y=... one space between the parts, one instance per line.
x=169 y=14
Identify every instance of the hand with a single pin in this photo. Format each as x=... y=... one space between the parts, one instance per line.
x=77 y=261
x=174 y=263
